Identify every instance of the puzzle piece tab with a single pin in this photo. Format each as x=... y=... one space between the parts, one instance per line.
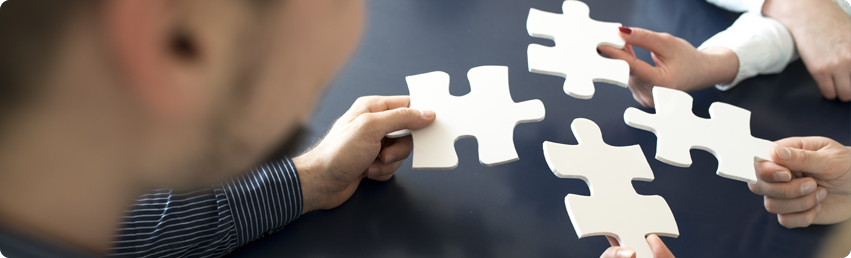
x=727 y=135
x=487 y=113
x=614 y=208
x=574 y=55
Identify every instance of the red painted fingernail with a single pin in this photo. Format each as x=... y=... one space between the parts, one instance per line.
x=625 y=30
x=598 y=51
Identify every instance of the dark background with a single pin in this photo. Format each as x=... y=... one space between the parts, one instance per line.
x=517 y=209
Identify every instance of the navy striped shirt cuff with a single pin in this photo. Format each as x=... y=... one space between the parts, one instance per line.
x=267 y=198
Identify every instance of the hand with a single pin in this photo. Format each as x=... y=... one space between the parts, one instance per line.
x=822 y=33
x=678 y=64
x=355 y=148
x=809 y=181
x=656 y=244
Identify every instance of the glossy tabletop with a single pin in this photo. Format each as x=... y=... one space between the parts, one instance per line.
x=517 y=209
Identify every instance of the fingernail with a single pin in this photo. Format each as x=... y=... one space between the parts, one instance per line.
x=428 y=114
x=625 y=30
x=625 y=253
x=782 y=176
x=808 y=187
x=390 y=158
x=374 y=171
x=598 y=51
x=821 y=194
x=783 y=152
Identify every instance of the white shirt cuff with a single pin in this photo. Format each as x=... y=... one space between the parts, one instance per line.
x=763 y=46
x=753 y=6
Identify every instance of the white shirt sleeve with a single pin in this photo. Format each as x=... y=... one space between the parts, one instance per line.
x=740 y=6
x=763 y=46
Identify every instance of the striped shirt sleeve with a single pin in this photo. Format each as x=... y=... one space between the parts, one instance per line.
x=211 y=222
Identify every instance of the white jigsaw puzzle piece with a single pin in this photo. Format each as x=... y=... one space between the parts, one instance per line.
x=614 y=208
x=574 y=55
x=726 y=135
x=487 y=113
x=398 y=134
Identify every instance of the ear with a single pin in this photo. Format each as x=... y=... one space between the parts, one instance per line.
x=147 y=48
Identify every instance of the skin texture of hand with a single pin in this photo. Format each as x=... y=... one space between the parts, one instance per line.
x=678 y=64
x=355 y=148
x=656 y=244
x=822 y=33
x=809 y=181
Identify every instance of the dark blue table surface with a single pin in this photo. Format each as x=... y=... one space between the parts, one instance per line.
x=517 y=209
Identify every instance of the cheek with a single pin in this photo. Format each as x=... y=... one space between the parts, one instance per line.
x=310 y=46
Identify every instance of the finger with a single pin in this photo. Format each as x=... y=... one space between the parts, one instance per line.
x=638 y=92
x=372 y=104
x=618 y=252
x=647 y=92
x=793 y=189
x=377 y=125
x=399 y=150
x=825 y=84
x=843 y=86
x=628 y=49
x=610 y=51
x=660 y=250
x=637 y=67
x=770 y=172
x=801 y=160
x=643 y=91
x=612 y=241
x=803 y=203
x=650 y=40
x=800 y=219
x=805 y=143
x=379 y=171
x=637 y=96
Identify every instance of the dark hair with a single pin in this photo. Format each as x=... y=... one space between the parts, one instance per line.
x=29 y=35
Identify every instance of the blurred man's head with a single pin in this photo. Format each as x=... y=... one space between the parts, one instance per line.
x=182 y=92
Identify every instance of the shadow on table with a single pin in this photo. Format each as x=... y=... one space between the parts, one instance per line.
x=408 y=227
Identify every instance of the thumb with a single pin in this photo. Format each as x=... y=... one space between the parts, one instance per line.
x=637 y=67
x=618 y=252
x=381 y=123
x=653 y=41
x=799 y=160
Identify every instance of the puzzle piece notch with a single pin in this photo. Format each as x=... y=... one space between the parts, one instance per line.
x=726 y=135
x=487 y=113
x=614 y=208
x=574 y=55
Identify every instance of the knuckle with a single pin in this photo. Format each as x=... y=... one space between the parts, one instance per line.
x=771 y=205
x=365 y=120
x=786 y=221
x=821 y=69
x=367 y=100
x=803 y=157
x=752 y=187
x=361 y=100
x=404 y=112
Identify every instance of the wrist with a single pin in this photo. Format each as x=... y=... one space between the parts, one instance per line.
x=720 y=66
x=313 y=197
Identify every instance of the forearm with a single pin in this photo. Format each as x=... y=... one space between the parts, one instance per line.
x=166 y=224
x=761 y=45
x=804 y=16
x=211 y=222
x=794 y=13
